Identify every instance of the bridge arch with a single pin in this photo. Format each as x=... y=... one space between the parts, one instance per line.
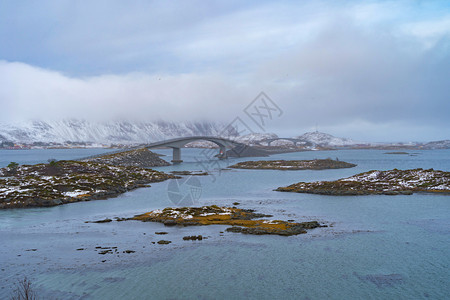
x=178 y=143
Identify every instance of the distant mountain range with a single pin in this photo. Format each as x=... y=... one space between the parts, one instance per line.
x=325 y=140
x=311 y=138
x=125 y=132
x=107 y=132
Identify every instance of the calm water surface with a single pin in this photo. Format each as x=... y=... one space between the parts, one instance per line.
x=377 y=247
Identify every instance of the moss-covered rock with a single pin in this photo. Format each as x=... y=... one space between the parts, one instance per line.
x=242 y=220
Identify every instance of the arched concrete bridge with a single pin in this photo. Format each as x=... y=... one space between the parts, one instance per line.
x=177 y=143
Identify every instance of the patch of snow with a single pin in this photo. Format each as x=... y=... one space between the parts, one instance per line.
x=75 y=193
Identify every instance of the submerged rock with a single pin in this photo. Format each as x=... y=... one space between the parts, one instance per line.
x=193 y=238
x=164 y=242
x=397 y=152
x=100 y=221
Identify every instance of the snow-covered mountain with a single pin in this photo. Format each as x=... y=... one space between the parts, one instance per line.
x=107 y=132
x=255 y=137
x=325 y=139
x=445 y=144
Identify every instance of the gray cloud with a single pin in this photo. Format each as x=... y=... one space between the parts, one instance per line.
x=371 y=71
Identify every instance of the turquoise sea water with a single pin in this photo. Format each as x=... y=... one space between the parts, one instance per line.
x=377 y=247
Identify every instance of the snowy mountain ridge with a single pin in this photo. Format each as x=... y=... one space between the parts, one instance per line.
x=255 y=137
x=325 y=139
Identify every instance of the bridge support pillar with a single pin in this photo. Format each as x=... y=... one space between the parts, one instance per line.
x=223 y=152
x=176 y=157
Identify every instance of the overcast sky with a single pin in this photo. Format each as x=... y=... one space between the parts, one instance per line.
x=367 y=70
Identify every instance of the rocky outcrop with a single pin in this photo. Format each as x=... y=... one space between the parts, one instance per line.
x=392 y=182
x=317 y=164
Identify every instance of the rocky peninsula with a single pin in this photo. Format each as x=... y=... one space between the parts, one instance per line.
x=241 y=220
x=316 y=164
x=64 y=182
x=191 y=173
x=392 y=182
x=142 y=158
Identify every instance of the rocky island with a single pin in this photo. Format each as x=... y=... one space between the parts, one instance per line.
x=392 y=182
x=241 y=220
x=316 y=164
x=64 y=182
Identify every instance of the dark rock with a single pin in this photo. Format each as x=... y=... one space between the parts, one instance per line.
x=193 y=238
x=170 y=222
x=164 y=242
